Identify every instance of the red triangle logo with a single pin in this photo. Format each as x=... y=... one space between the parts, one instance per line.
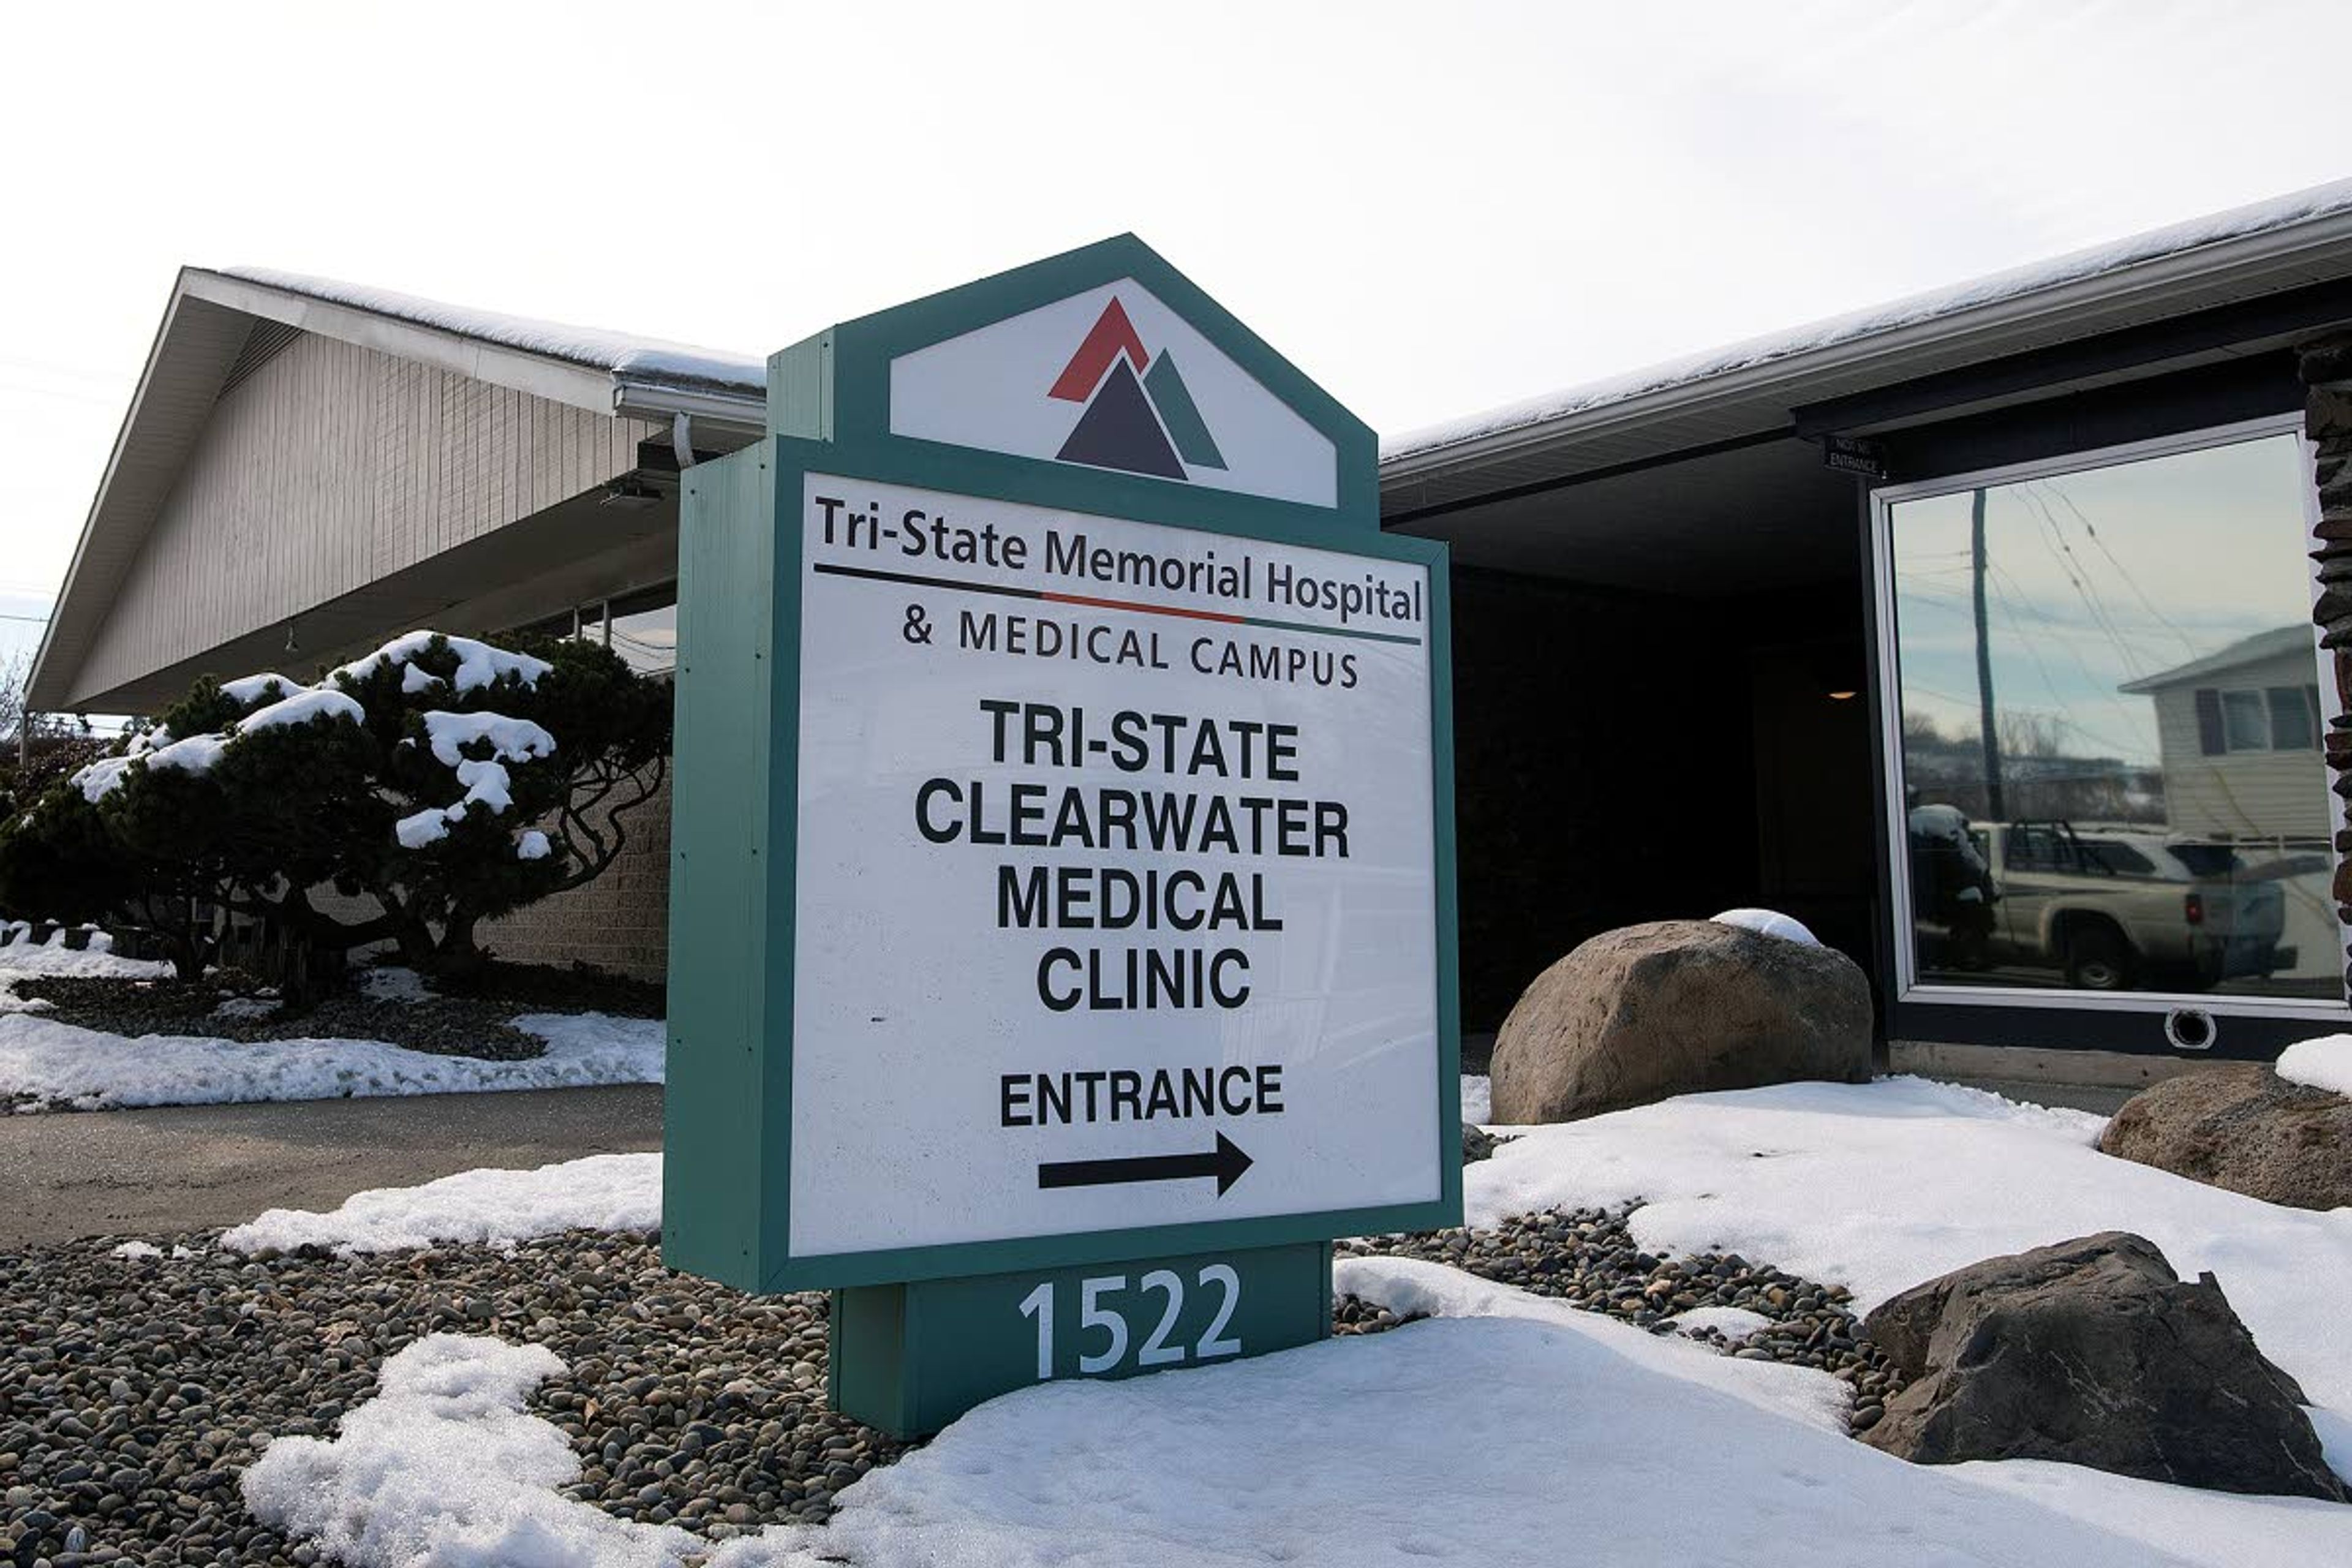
x=1111 y=333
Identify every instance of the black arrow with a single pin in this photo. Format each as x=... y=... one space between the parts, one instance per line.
x=1225 y=1161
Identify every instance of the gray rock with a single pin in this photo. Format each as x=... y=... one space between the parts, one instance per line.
x=1649 y=1012
x=2092 y=1352
x=2242 y=1127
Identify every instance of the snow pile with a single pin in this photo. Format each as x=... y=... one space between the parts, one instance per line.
x=50 y=1062
x=1477 y=1099
x=486 y=780
x=1734 y=1323
x=303 y=706
x=479 y=664
x=1502 y=1427
x=2239 y=223
x=136 y=1249
x=1769 y=922
x=252 y=688
x=511 y=739
x=22 y=955
x=619 y=353
x=391 y=982
x=196 y=755
x=1880 y=1186
x=99 y=780
x=201 y=753
x=444 y=1469
x=2324 y=1063
x=603 y=1192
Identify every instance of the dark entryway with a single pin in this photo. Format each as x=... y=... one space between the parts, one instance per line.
x=1661 y=711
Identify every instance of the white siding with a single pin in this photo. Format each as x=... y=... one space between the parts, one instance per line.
x=327 y=467
x=2245 y=795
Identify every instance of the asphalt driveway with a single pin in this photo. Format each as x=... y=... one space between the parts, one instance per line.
x=178 y=1168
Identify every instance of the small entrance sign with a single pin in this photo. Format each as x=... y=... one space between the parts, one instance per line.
x=1062 y=941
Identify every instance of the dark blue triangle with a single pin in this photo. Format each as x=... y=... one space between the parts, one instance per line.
x=1119 y=430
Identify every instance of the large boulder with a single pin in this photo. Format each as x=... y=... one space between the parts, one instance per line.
x=2092 y=1352
x=1649 y=1012
x=2242 y=1127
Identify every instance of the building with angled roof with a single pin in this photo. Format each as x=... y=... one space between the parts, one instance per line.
x=1699 y=608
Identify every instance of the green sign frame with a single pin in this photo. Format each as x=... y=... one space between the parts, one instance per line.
x=735 y=793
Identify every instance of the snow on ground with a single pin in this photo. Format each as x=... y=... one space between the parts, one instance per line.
x=23 y=956
x=1880 y=1186
x=1503 y=1428
x=444 y=1468
x=603 y=1192
x=2324 y=1063
x=1477 y=1098
x=1734 y=1323
x=88 y=1070
x=391 y=982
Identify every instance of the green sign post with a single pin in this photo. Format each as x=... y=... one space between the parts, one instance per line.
x=1062 y=902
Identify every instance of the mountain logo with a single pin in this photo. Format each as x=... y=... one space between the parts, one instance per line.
x=1140 y=417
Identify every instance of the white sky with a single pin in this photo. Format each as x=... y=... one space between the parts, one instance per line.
x=1430 y=208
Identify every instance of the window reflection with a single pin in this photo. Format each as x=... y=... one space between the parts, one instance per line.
x=2110 y=729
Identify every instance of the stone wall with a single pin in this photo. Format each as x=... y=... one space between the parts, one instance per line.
x=2327 y=367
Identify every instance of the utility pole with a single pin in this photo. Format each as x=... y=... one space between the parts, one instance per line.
x=1994 y=804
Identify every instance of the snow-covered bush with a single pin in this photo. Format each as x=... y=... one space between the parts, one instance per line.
x=450 y=780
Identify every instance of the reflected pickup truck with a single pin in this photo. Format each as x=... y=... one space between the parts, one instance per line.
x=2119 y=907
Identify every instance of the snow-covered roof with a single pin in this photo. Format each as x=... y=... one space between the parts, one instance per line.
x=1996 y=289
x=624 y=355
x=2276 y=643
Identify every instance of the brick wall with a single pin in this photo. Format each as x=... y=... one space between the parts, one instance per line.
x=620 y=922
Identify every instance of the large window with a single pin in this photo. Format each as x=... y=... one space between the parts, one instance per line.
x=2104 y=690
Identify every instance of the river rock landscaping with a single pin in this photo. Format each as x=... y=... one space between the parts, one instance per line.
x=1588 y=1258
x=141 y=1378
x=134 y=1390
x=1575 y=1359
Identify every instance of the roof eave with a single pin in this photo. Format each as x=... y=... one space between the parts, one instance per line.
x=542 y=375
x=736 y=412
x=1992 y=327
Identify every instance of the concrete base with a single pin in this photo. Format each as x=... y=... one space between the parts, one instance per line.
x=2025 y=1064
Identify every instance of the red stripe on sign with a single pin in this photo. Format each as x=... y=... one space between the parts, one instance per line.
x=1111 y=333
x=1146 y=609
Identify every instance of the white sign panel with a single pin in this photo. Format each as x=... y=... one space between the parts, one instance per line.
x=1113 y=379
x=1116 y=899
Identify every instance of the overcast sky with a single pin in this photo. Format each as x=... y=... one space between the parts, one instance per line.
x=1430 y=208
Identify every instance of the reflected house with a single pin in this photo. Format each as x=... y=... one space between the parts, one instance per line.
x=2239 y=731
x=1723 y=628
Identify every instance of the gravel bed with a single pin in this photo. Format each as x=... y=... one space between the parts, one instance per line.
x=443 y=1026
x=1588 y=1258
x=133 y=1391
